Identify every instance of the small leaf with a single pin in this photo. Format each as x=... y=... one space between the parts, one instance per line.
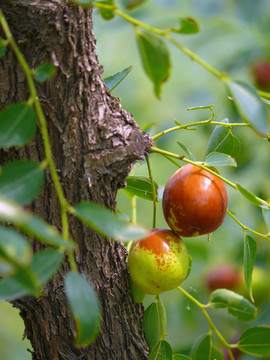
x=266 y=216
x=106 y=13
x=3 y=44
x=44 y=72
x=155 y=58
x=32 y=225
x=202 y=348
x=223 y=141
x=250 y=247
x=256 y=341
x=106 y=223
x=140 y=186
x=85 y=307
x=181 y=357
x=237 y=305
x=188 y=25
x=162 y=351
x=250 y=196
x=14 y=247
x=86 y=4
x=114 y=80
x=152 y=324
x=17 y=125
x=21 y=180
x=189 y=154
x=249 y=105
x=45 y=263
x=10 y=289
x=219 y=159
x=130 y=4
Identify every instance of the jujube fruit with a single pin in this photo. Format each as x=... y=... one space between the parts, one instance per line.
x=194 y=201
x=159 y=262
x=223 y=277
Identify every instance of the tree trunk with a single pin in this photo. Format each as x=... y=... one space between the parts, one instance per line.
x=94 y=142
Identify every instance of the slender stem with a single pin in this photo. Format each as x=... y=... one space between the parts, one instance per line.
x=153 y=190
x=160 y=310
x=167 y=153
x=209 y=320
x=245 y=228
x=205 y=122
x=264 y=94
x=43 y=126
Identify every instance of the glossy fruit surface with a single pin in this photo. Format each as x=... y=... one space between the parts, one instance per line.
x=223 y=277
x=194 y=201
x=159 y=262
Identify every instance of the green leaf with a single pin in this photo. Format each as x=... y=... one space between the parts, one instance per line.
x=114 y=80
x=11 y=289
x=14 y=247
x=3 y=44
x=223 y=141
x=155 y=58
x=219 y=159
x=249 y=105
x=86 y=4
x=45 y=263
x=181 y=357
x=106 y=13
x=266 y=216
x=237 y=305
x=202 y=348
x=44 y=72
x=217 y=354
x=250 y=247
x=162 y=351
x=21 y=180
x=189 y=154
x=130 y=4
x=85 y=307
x=152 y=324
x=140 y=186
x=32 y=225
x=106 y=223
x=188 y=25
x=17 y=125
x=250 y=196
x=256 y=341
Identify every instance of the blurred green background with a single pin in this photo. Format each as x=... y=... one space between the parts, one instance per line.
x=233 y=35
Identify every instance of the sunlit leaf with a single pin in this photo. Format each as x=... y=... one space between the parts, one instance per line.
x=44 y=72
x=188 y=25
x=189 y=153
x=249 y=105
x=140 y=186
x=21 y=180
x=106 y=223
x=219 y=159
x=236 y=304
x=155 y=58
x=256 y=341
x=85 y=307
x=17 y=125
x=106 y=13
x=116 y=79
x=250 y=247
x=250 y=196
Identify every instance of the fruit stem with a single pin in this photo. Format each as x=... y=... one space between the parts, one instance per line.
x=204 y=122
x=162 y=326
x=153 y=190
x=209 y=320
x=245 y=228
x=183 y=158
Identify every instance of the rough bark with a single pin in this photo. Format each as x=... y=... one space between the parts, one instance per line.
x=94 y=142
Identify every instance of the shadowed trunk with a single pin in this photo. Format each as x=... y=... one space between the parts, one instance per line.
x=94 y=142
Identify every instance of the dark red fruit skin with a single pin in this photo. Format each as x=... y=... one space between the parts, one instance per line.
x=223 y=277
x=194 y=201
x=261 y=72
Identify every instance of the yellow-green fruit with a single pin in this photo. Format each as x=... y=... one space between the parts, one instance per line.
x=159 y=262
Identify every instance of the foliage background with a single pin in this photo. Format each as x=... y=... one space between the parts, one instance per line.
x=234 y=34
